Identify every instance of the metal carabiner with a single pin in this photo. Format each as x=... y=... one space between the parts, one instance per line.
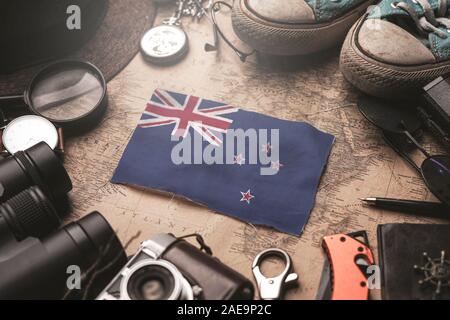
x=272 y=288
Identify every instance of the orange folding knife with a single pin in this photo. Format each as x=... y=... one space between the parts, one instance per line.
x=344 y=274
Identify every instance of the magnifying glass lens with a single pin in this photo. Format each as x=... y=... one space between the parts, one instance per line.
x=436 y=172
x=66 y=93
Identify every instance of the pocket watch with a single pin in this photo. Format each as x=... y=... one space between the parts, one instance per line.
x=166 y=43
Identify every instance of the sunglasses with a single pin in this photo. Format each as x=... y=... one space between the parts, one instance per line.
x=401 y=130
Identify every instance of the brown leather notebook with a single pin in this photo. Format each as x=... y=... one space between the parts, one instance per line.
x=414 y=261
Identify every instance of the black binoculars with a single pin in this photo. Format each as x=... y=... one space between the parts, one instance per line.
x=36 y=258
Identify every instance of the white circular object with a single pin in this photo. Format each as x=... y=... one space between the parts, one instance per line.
x=27 y=131
x=164 y=44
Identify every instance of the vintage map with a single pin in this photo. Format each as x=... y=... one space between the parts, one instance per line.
x=302 y=88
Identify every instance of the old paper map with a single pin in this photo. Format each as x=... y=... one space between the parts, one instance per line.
x=304 y=89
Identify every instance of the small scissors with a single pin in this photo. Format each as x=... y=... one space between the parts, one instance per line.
x=272 y=288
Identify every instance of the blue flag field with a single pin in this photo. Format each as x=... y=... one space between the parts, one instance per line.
x=253 y=167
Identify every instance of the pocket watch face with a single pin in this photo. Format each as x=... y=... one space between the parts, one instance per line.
x=164 y=42
x=27 y=131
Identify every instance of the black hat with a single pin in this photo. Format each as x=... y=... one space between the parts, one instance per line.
x=34 y=33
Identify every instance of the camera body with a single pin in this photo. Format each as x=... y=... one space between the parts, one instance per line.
x=170 y=268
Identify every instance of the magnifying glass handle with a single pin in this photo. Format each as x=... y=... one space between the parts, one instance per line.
x=12 y=102
x=12 y=105
x=7 y=99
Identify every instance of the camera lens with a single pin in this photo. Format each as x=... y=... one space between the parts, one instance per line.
x=155 y=280
x=29 y=214
x=38 y=165
x=152 y=289
x=151 y=283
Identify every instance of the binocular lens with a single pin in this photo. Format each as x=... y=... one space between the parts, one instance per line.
x=30 y=214
x=40 y=166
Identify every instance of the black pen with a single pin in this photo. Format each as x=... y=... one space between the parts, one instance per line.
x=418 y=208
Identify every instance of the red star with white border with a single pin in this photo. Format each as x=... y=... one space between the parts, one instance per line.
x=247 y=196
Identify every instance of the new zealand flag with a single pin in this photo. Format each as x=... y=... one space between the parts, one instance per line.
x=244 y=164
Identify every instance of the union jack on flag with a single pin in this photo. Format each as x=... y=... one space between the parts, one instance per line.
x=165 y=108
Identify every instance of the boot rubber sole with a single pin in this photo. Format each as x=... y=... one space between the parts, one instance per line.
x=290 y=39
x=380 y=79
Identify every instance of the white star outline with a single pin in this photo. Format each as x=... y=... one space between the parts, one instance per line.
x=239 y=159
x=276 y=165
x=266 y=147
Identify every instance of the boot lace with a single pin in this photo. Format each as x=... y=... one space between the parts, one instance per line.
x=431 y=20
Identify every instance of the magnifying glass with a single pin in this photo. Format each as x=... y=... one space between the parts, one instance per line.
x=72 y=94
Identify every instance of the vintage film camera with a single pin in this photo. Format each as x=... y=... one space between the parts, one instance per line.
x=170 y=268
x=34 y=254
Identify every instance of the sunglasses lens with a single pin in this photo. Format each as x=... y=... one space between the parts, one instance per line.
x=389 y=116
x=436 y=172
x=398 y=141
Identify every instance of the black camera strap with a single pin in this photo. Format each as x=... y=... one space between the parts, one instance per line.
x=203 y=246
